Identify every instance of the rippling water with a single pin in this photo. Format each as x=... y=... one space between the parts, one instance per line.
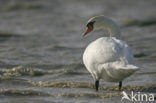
x=42 y=45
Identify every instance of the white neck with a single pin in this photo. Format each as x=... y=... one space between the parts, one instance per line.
x=107 y=24
x=114 y=31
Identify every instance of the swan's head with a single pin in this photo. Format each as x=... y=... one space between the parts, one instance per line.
x=97 y=23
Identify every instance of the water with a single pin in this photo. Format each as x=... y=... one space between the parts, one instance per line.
x=42 y=45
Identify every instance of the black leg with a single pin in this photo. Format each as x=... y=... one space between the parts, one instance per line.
x=97 y=85
x=120 y=85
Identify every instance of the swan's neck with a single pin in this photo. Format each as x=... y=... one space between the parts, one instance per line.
x=114 y=31
x=111 y=27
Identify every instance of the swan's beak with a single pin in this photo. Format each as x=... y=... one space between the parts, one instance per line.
x=89 y=29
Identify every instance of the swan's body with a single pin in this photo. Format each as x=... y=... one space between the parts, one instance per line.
x=108 y=58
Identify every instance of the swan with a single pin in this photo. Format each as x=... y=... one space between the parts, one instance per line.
x=108 y=58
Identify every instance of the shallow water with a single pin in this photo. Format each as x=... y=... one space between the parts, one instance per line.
x=41 y=49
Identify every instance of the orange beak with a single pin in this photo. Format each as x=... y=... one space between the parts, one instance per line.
x=89 y=29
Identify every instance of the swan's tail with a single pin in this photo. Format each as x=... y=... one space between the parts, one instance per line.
x=118 y=70
x=128 y=67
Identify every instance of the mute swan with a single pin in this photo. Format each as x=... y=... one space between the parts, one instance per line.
x=108 y=58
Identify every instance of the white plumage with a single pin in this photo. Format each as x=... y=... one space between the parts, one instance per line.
x=108 y=58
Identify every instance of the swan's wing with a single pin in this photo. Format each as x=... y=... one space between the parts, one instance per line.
x=112 y=50
x=100 y=51
x=126 y=51
x=123 y=64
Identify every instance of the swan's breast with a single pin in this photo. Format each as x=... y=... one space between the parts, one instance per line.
x=102 y=50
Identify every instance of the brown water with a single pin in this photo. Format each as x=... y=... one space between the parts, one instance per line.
x=41 y=49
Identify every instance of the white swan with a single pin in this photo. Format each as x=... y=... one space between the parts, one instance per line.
x=108 y=58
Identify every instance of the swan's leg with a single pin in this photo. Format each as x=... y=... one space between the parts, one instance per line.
x=120 y=85
x=97 y=85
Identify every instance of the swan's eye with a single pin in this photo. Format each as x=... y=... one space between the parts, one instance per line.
x=90 y=27
x=91 y=24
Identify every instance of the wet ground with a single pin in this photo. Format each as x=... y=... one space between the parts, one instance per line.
x=42 y=45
